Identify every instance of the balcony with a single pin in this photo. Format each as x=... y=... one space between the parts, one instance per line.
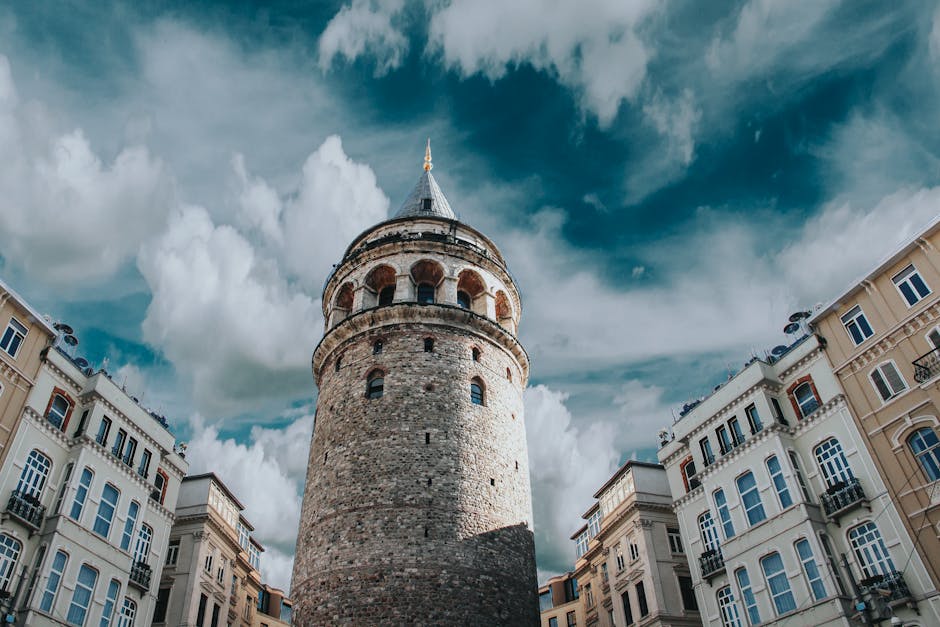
x=842 y=498
x=927 y=366
x=891 y=587
x=711 y=562
x=26 y=509
x=140 y=576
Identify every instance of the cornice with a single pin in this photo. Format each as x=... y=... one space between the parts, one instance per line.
x=904 y=329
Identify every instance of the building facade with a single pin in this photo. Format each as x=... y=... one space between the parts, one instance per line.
x=418 y=480
x=631 y=563
x=89 y=487
x=883 y=338
x=25 y=334
x=559 y=602
x=211 y=575
x=781 y=508
x=274 y=608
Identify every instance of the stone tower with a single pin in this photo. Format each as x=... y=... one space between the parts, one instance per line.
x=417 y=508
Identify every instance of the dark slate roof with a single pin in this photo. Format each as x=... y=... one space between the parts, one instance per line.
x=416 y=204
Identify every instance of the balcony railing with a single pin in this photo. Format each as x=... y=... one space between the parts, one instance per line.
x=711 y=562
x=890 y=587
x=842 y=497
x=27 y=509
x=140 y=575
x=927 y=366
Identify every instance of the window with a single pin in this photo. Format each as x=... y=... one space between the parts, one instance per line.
x=81 y=596
x=463 y=299
x=831 y=560
x=627 y=608
x=249 y=603
x=34 y=576
x=806 y=398
x=588 y=595
x=475 y=353
x=737 y=435
x=107 y=613
x=52 y=583
x=172 y=552
x=857 y=325
x=428 y=345
x=425 y=293
x=163 y=601
x=780 y=484
x=833 y=464
x=208 y=564
x=81 y=494
x=571 y=619
x=377 y=347
x=641 y=599
x=581 y=544
x=721 y=503
x=81 y=424
x=159 y=484
x=724 y=440
x=142 y=548
x=13 y=336
x=106 y=507
x=604 y=575
x=119 y=443
x=552 y=622
x=777 y=583
x=58 y=411
x=128 y=613
x=104 y=428
x=911 y=285
x=338 y=363
x=33 y=477
x=220 y=572
x=594 y=524
x=778 y=411
x=243 y=535
x=705 y=446
x=689 y=601
x=57 y=508
x=144 y=469
x=887 y=380
x=688 y=475
x=750 y=497
x=730 y=617
x=753 y=418
x=804 y=488
x=375 y=386
x=870 y=549
x=747 y=595
x=129 y=523
x=675 y=540
x=706 y=526
x=386 y=295
x=926 y=448
x=476 y=392
x=201 y=614
x=9 y=553
x=254 y=556
x=634 y=551
x=810 y=569
x=621 y=563
x=571 y=589
x=129 y=451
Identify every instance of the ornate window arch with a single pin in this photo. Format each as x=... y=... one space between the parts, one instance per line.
x=375 y=384
x=427 y=276
x=925 y=445
x=33 y=477
x=477 y=391
x=804 y=397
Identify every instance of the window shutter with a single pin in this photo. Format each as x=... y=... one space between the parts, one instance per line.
x=893 y=377
x=880 y=384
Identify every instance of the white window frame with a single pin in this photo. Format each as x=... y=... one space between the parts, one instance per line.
x=128 y=613
x=13 y=335
x=810 y=566
x=594 y=524
x=768 y=577
x=800 y=479
x=724 y=513
x=76 y=610
x=755 y=507
x=81 y=494
x=675 y=540
x=833 y=464
x=144 y=540
x=53 y=411
x=851 y=318
x=172 y=552
x=53 y=582
x=747 y=595
x=806 y=412
x=708 y=532
x=10 y=549
x=728 y=607
x=870 y=551
x=934 y=345
x=904 y=278
x=34 y=474
x=110 y=603
x=104 y=516
x=129 y=523
x=881 y=371
x=779 y=482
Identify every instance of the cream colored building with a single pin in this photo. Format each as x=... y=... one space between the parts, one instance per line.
x=559 y=602
x=883 y=338
x=274 y=608
x=781 y=508
x=631 y=564
x=211 y=577
x=24 y=334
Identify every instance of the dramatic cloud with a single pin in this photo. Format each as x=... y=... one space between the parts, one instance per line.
x=365 y=27
x=65 y=215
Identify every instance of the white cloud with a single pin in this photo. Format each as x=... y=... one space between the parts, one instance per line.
x=642 y=414
x=365 y=27
x=676 y=121
x=66 y=215
x=933 y=43
x=131 y=380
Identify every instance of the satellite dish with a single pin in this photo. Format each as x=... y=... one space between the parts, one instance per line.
x=89 y=372
x=81 y=362
x=71 y=340
x=800 y=315
x=778 y=350
x=793 y=327
x=63 y=328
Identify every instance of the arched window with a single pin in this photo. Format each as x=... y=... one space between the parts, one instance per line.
x=9 y=553
x=730 y=617
x=375 y=385
x=53 y=580
x=887 y=380
x=721 y=504
x=159 y=484
x=128 y=613
x=33 y=477
x=870 y=549
x=508 y=373
x=381 y=281
x=82 y=595
x=475 y=353
x=106 y=507
x=425 y=293
x=129 y=523
x=386 y=295
x=832 y=462
x=110 y=602
x=778 y=583
x=806 y=398
x=81 y=494
x=706 y=527
x=58 y=410
x=428 y=345
x=377 y=347
x=926 y=448
x=142 y=548
x=338 y=364
x=476 y=392
x=463 y=299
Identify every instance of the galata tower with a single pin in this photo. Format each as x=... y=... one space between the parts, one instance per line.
x=417 y=508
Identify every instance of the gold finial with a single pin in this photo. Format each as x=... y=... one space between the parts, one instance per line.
x=427 y=157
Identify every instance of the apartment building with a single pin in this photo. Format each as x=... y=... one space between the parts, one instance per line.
x=631 y=563
x=211 y=577
x=25 y=334
x=782 y=508
x=274 y=608
x=89 y=486
x=883 y=339
x=559 y=602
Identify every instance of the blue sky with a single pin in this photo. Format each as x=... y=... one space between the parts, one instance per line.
x=667 y=180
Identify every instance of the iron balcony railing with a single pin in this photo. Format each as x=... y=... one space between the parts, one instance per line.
x=140 y=575
x=842 y=497
x=711 y=562
x=27 y=509
x=927 y=366
x=891 y=587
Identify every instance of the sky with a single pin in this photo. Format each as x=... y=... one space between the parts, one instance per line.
x=667 y=180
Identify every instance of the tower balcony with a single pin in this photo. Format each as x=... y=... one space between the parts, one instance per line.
x=711 y=562
x=140 y=576
x=27 y=509
x=927 y=366
x=890 y=587
x=842 y=498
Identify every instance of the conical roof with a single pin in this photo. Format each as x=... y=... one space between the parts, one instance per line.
x=426 y=199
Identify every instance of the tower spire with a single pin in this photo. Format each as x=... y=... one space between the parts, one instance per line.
x=427 y=157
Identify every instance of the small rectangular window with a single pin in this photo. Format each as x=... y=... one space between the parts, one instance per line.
x=627 y=608
x=172 y=552
x=750 y=498
x=13 y=337
x=688 y=594
x=163 y=601
x=118 y=447
x=856 y=325
x=129 y=452
x=641 y=599
x=810 y=569
x=737 y=435
x=911 y=285
x=753 y=418
x=634 y=551
x=707 y=454
x=724 y=440
x=104 y=428
x=675 y=540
